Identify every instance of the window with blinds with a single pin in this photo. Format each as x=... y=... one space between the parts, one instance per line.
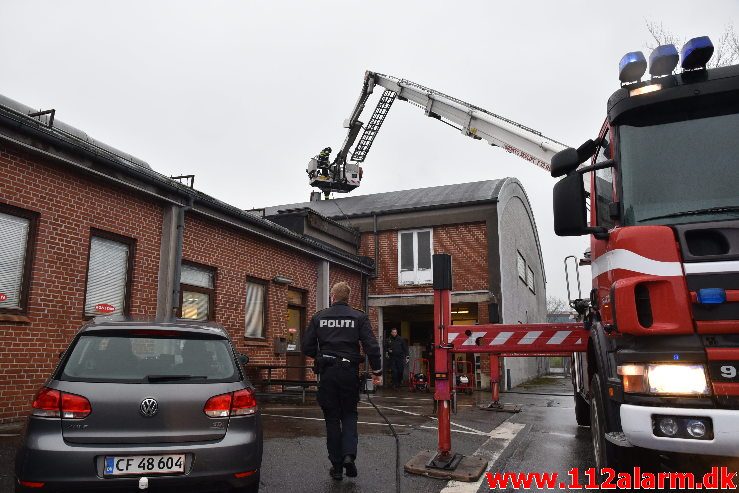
x=521 y=267
x=16 y=228
x=197 y=292
x=108 y=275
x=530 y=279
x=256 y=309
x=415 y=248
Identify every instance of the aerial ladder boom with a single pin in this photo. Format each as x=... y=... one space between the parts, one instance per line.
x=344 y=173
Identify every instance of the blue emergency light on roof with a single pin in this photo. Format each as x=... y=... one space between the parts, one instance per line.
x=631 y=67
x=711 y=296
x=696 y=53
x=663 y=60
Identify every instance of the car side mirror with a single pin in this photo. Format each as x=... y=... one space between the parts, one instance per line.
x=243 y=359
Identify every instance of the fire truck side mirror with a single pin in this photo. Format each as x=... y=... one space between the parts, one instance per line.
x=564 y=162
x=569 y=208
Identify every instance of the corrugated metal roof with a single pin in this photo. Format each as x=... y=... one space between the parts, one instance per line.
x=403 y=200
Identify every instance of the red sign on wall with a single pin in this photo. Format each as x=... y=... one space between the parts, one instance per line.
x=3 y=297
x=104 y=308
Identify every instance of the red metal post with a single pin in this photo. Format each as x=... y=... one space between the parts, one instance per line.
x=442 y=388
x=495 y=377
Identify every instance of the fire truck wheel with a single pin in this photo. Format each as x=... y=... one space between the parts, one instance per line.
x=606 y=454
x=582 y=410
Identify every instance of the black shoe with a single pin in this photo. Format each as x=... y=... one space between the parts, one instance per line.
x=351 y=468
x=336 y=472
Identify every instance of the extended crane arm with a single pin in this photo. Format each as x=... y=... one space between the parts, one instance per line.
x=471 y=120
x=474 y=121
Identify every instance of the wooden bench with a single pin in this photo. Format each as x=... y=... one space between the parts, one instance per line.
x=302 y=385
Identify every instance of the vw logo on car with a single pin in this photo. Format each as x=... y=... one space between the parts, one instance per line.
x=149 y=407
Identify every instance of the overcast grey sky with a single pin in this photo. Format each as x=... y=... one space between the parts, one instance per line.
x=243 y=93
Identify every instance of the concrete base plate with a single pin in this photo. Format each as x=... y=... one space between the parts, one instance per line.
x=504 y=408
x=470 y=468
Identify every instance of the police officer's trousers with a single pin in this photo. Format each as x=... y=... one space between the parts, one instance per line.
x=338 y=394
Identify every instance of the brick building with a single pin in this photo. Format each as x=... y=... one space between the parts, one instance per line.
x=86 y=229
x=489 y=230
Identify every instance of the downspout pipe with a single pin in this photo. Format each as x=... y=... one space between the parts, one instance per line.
x=376 y=239
x=177 y=273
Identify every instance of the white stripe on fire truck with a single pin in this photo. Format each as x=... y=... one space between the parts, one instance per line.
x=530 y=337
x=712 y=267
x=558 y=337
x=501 y=338
x=628 y=260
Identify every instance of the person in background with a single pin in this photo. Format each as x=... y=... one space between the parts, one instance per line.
x=397 y=353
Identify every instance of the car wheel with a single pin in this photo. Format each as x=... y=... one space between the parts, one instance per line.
x=582 y=410
x=606 y=454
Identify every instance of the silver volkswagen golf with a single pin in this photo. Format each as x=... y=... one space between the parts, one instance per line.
x=136 y=406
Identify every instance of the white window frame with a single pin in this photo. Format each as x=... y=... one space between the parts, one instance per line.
x=416 y=276
x=98 y=271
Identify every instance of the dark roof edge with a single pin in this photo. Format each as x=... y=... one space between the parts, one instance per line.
x=413 y=209
x=29 y=125
x=313 y=246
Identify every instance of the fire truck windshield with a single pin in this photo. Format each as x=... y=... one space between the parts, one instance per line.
x=680 y=171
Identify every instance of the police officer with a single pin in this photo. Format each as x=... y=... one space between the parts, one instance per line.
x=333 y=338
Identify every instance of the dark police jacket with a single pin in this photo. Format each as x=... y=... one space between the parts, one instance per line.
x=338 y=330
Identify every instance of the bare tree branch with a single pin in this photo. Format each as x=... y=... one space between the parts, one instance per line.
x=726 y=49
x=556 y=305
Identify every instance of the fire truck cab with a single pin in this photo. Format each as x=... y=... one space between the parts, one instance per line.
x=661 y=372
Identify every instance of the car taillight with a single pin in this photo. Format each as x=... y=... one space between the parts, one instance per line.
x=243 y=403
x=75 y=406
x=47 y=403
x=218 y=406
x=50 y=403
x=239 y=403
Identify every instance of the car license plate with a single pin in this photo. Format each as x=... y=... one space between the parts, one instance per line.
x=144 y=464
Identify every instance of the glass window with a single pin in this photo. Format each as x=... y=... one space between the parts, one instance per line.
x=15 y=258
x=108 y=275
x=295 y=318
x=530 y=279
x=256 y=295
x=406 y=251
x=414 y=251
x=424 y=249
x=604 y=186
x=197 y=292
x=141 y=355
x=521 y=266
x=681 y=168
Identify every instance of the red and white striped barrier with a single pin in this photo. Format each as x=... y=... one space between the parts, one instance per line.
x=521 y=339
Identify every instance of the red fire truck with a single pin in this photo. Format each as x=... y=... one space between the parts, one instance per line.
x=660 y=370
x=656 y=365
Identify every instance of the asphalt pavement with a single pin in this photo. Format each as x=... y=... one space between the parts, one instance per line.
x=542 y=437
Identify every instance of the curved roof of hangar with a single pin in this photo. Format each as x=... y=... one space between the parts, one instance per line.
x=443 y=196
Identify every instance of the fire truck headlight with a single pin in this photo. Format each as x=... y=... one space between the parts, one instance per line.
x=677 y=379
x=634 y=378
x=664 y=379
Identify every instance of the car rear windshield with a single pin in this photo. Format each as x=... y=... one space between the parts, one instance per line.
x=133 y=358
